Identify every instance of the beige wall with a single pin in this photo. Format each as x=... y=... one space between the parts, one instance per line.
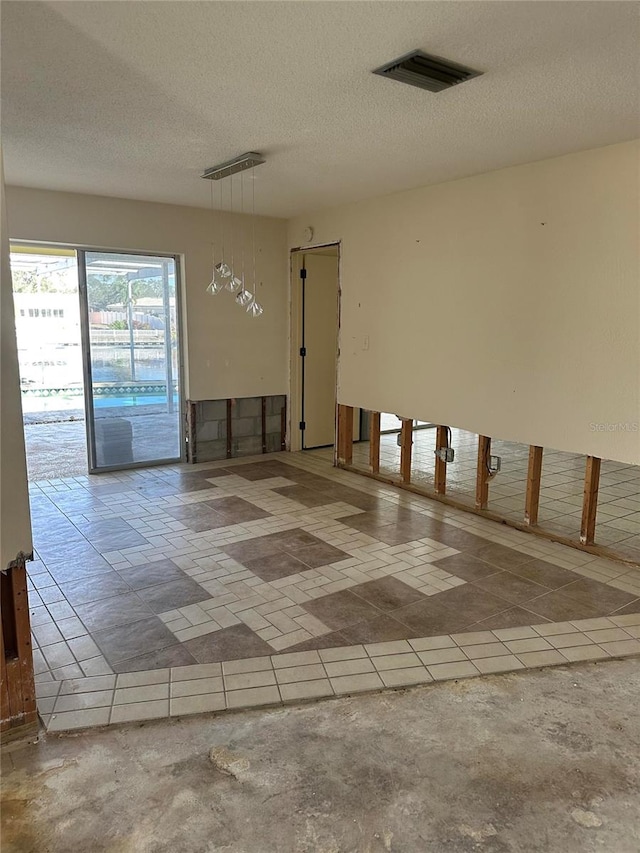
x=15 y=522
x=228 y=354
x=507 y=304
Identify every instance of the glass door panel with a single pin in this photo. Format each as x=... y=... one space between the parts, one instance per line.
x=132 y=365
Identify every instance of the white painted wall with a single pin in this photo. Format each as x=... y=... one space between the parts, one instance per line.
x=507 y=303
x=15 y=521
x=228 y=354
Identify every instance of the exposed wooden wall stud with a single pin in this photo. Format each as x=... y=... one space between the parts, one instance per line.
x=374 y=442
x=406 y=441
x=534 y=474
x=192 y=419
x=482 y=474
x=283 y=427
x=229 y=429
x=590 y=500
x=345 y=434
x=263 y=407
x=440 y=478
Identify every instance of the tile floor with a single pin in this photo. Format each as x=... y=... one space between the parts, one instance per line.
x=181 y=589
x=618 y=518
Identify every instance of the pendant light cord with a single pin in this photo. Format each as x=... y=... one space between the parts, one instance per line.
x=253 y=227
x=222 y=226
x=232 y=234
x=213 y=236
x=242 y=219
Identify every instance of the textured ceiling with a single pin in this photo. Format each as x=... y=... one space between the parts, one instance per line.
x=135 y=99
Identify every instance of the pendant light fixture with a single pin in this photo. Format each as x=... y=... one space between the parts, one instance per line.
x=254 y=308
x=224 y=274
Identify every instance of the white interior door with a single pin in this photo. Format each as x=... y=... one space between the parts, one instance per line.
x=320 y=345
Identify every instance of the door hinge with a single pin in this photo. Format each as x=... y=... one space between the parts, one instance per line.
x=303 y=351
x=303 y=273
x=303 y=425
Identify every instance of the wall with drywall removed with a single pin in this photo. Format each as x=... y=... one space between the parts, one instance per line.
x=507 y=304
x=228 y=353
x=15 y=521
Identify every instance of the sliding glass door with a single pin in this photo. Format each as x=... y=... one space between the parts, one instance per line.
x=131 y=352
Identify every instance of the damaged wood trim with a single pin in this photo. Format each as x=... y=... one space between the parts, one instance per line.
x=17 y=686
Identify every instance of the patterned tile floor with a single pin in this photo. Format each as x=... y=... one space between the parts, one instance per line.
x=189 y=588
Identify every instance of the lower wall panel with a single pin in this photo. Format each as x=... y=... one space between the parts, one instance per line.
x=560 y=493
x=224 y=429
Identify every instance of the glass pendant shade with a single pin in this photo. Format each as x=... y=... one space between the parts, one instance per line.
x=233 y=284
x=234 y=236
x=255 y=309
x=244 y=297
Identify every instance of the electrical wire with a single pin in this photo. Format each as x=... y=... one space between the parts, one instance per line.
x=487 y=461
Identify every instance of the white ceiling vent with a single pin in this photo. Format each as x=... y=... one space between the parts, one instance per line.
x=426 y=72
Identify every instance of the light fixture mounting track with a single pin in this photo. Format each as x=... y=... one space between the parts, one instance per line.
x=232 y=167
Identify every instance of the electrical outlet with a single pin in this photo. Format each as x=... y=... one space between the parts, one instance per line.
x=446 y=454
x=495 y=464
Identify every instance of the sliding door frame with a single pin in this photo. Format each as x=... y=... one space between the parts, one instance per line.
x=81 y=253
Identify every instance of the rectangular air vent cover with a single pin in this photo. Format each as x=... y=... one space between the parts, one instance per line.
x=426 y=72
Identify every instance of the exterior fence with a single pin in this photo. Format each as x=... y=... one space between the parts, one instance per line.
x=121 y=337
x=103 y=389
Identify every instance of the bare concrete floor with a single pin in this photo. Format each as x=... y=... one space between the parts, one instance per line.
x=56 y=450
x=540 y=761
x=59 y=449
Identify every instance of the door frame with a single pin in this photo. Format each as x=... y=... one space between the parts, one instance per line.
x=295 y=339
x=81 y=251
